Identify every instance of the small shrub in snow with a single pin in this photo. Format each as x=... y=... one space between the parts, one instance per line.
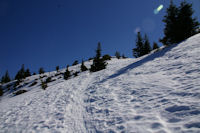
x=43 y=85
x=75 y=63
x=76 y=74
x=20 y=92
x=57 y=68
x=67 y=74
x=34 y=83
x=48 y=80
x=41 y=70
x=83 y=67
x=1 y=91
x=106 y=57
x=155 y=46
x=123 y=56
x=117 y=54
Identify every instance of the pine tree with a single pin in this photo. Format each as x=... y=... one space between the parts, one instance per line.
x=57 y=68
x=155 y=46
x=179 y=23
x=67 y=73
x=41 y=70
x=187 y=25
x=5 y=78
x=117 y=54
x=20 y=74
x=139 y=50
x=170 y=20
x=83 y=67
x=147 y=47
x=98 y=62
x=27 y=73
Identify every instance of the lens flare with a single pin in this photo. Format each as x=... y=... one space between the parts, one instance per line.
x=158 y=9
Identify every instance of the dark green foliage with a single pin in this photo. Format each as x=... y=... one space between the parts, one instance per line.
x=34 y=73
x=138 y=51
x=27 y=73
x=48 y=80
x=67 y=74
x=5 y=78
x=41 y=70
x=21 y=74
x=90 y=58
x=20 y=92
x=57 y=68
x=34 y=83
x=117 y=54
x=187 y=25
x=170 y=20
x=98 y=62
x=155 y=46
x=75 y=63
x=179 y=24
x=143 y=46
x=16 y=83
x=83 y=67
x=106 y=57
x=146 y=47
x=123 y=56
x=75 y=74
x=43 y=85
x=1 y=91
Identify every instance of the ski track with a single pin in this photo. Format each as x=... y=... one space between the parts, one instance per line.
x=157 y=95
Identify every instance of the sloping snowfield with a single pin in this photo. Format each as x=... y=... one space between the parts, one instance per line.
x=157 y=93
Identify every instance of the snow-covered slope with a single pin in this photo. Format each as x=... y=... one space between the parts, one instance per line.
x=157 y=93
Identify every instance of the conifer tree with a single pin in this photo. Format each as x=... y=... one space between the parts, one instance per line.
x=20 y=74
x=170 y=20
x=67 y=73
x=5 y=78
x=139 y=50
x=83 y=67
x=179 y=24
x=147 y=47
x=187 y=26
x=98 y=62
x=155 y=46
x=41 y=70
x=117 y=54
x=27 y=73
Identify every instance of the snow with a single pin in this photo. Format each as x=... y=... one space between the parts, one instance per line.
x=157 y=93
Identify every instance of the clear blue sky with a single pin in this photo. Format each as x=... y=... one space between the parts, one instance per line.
x=47 y=33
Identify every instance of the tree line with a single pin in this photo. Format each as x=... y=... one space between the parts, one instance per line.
x=179 y=25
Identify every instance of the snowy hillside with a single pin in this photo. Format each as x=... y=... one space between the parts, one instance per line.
x=157 y=93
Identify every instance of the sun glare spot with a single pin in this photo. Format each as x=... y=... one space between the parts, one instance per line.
x=158 y=9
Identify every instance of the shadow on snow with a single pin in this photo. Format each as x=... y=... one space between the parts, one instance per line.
x=140 y=62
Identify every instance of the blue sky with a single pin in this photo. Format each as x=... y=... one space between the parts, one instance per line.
x=47 y=33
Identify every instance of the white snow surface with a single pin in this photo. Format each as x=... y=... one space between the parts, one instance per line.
x=157 y=93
